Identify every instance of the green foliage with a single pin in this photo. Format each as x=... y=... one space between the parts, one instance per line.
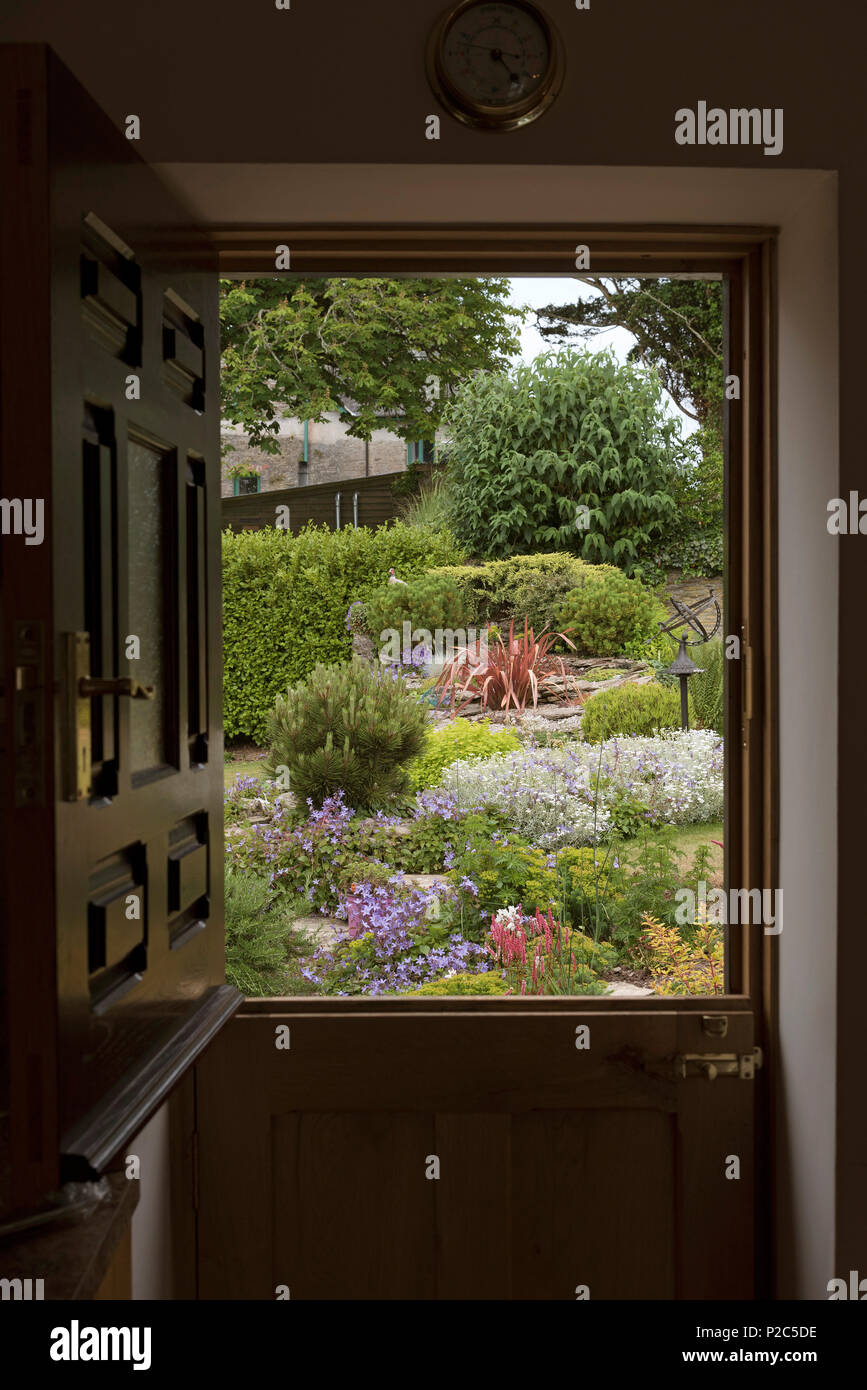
x=424 y=845
x=692 y=541
x=491 y=982
x=349 y=727
x=256 y=939
x=528 y=447
x=630 y=709
x=606 y=611
x=496 y=589
x=431 y=602
x=677 y=325
x=459 y=739
x=285 y=600
x=395 y=348
x=428 y=504
x=706 y=689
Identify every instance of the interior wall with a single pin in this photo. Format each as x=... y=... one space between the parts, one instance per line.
x=152 y=1222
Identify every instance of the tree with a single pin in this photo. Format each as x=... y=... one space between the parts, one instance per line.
x=677 y=325
x=381 y=353
x=678 y=331
x=570 y=453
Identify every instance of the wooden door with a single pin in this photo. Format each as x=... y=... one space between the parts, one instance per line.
x=113 y=848
x=569 y=1164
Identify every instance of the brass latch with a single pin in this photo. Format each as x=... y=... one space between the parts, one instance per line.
x=81 y=688
x=714 y=1064
x=115 y=685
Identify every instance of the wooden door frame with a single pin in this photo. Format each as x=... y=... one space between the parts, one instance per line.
x=745 y=256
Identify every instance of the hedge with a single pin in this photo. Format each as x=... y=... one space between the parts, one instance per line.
x=285 y=599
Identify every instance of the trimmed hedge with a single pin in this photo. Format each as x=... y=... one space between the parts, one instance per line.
x=285 y=600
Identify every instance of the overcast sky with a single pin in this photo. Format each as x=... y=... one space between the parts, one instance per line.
x=537 y=292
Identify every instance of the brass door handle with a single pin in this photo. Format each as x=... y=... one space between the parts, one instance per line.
x=116 y=685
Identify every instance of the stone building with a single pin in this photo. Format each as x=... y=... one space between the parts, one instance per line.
x=312 y=452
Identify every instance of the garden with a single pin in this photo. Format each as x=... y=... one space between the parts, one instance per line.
x=456 y=756
x=478 y=809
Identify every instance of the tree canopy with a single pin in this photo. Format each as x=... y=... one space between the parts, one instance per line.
x=381 y=353
x=678 y=329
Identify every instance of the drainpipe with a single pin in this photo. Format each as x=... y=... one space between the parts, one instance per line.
x=305 y=454
x=367 y=458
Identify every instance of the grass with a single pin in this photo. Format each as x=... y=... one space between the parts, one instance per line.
x=687 y=839
x=242 y=768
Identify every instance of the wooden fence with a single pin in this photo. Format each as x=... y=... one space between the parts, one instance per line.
x=350 y=502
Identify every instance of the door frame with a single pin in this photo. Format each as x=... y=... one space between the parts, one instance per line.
x=746 y=256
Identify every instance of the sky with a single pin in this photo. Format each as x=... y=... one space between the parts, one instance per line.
x=537 y=291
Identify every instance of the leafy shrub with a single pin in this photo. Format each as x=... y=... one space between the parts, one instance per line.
x=706 y=689
x=632 y=710
x=606 y=611
x=461 y=738
x=680 y=967
x=430 y=842
x=496 y=589
x=528 y=447
x=352 y=728
x=462 y=983
x=309 y=860
x=285 y=601
x=692 y=539
x=492 y=871
x=431 y=602
x=696 y=554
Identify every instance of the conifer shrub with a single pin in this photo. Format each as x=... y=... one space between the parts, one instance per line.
x=606 y=613
x=630 y=709
x=428 y=603
x=500 y=589
x=351 y=727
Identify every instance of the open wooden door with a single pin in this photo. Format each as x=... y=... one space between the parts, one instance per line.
x=112 y=774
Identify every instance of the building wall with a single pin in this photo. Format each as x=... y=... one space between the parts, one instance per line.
x=333 y=455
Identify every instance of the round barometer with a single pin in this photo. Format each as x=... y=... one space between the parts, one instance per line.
x=496 y=64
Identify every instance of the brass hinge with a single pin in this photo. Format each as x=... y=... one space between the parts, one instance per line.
x=714 y=1064
x=194 y=1151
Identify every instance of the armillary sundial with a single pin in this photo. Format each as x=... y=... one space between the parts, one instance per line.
x=686 y=616
x=682 y=667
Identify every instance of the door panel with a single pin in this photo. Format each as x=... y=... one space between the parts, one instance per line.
x=131 y=804
x=558 y=1166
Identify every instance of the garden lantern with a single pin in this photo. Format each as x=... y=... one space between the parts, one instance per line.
x=683 y=667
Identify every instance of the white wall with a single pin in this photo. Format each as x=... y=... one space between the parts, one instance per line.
x=151 y=1222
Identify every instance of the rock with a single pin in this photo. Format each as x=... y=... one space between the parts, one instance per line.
x=320 y=930
x=624 y=991
x=362 y=646
x=424 y=883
